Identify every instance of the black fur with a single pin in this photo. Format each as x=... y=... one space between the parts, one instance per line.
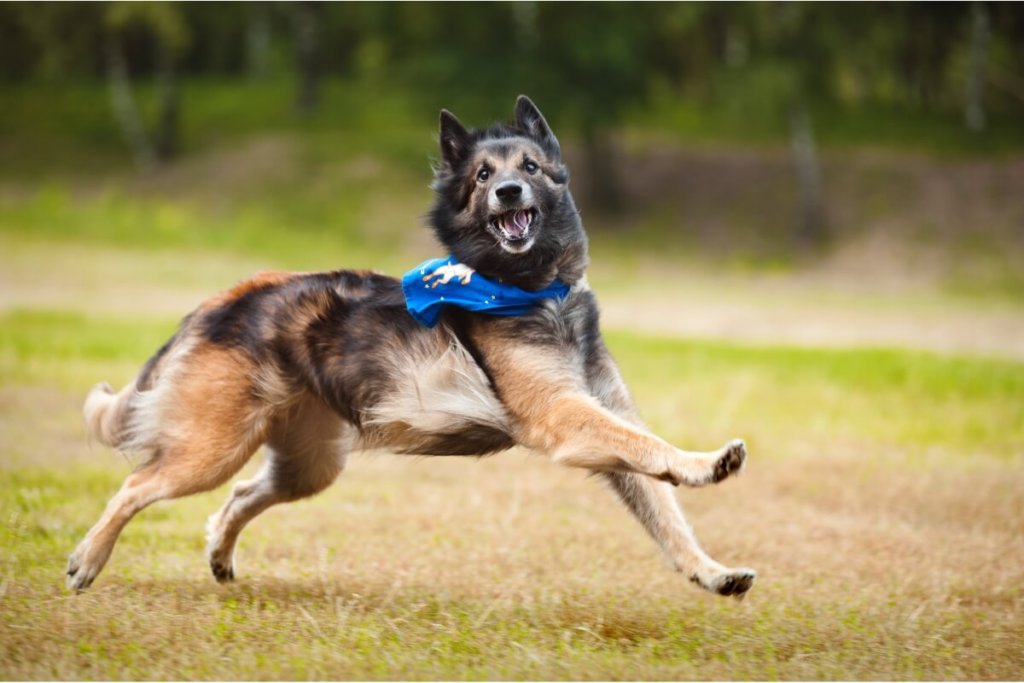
x=336 y=334
x=561 y=247
x=291 y=348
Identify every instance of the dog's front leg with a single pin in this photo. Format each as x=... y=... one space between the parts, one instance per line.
x=654 y=503
x=555 y=414
x=578 y=432
x=581 y=433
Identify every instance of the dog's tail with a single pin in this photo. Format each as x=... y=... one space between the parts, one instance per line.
x=106 y=414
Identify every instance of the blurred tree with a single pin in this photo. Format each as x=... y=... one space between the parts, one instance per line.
x=164 y=25
x=594 y=60
x=974 y=113
x=791 y=60
x=306 y=18
x=218 y=35
x=929 y=33
x=125 y=110
x=1007 y=74
x=257 y=41
x=50 y=41
x=767 y=67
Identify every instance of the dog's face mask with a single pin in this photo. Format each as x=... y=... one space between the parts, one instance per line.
x=507 y=186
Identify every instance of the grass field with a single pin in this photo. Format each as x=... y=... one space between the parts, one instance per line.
x=881 y=503
x=881 y=507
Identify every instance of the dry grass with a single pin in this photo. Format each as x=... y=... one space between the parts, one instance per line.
x=512 y=568
x=881 y=504
x=878 y=558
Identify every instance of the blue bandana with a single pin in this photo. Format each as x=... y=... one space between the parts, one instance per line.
x=440 y=282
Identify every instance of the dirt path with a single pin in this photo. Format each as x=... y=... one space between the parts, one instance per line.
x=776 y=319
x=798 y=309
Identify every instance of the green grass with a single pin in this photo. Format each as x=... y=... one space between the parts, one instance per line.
x=874 y=399
x=68 y=349
x=881 y=503
x=745 y=119
x=881 y=506
x=349 y=183
x=514 y=569
x=325 y=220
x=68 y=128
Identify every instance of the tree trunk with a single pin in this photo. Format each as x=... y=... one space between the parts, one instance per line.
x=974 y=113
x=167 y=104
x=306 y=54
x=125 y=110
x=811 y=228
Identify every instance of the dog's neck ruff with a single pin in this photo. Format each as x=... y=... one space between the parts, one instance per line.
x=440 y=282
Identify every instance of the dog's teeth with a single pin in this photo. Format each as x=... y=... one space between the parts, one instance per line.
x=514 y=224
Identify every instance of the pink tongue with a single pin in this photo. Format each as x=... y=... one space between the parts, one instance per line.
x=519 y=224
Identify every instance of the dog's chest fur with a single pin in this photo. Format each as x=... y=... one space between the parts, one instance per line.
x=441 y=397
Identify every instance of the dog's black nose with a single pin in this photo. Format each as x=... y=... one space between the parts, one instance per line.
x=509 y=191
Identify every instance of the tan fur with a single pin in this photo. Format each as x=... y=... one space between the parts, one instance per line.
x=208 y=427
x=263 y=278
x=104 y=413
x=503 y=164
x=307 y=447
x=210 y=407
x=218 y=420
x=316 y=365
x=556 y=416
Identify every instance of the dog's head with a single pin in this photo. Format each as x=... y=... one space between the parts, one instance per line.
x=503 y=204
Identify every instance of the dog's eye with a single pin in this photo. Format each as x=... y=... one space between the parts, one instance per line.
x=530 y=167
x=482 y=175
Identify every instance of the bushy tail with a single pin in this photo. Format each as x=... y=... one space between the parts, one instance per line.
x=106 y=414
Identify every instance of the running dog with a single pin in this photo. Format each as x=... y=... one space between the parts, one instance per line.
x=316 y=365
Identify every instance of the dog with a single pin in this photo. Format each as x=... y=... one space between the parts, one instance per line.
x=316 y=365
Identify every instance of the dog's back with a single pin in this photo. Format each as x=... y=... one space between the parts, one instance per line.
x=343 y=338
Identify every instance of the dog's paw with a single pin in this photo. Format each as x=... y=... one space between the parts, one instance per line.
x=223 y=572
x=702 y=469
x=730 y=461
x=731 y=582
x=220 y=557
x=80 y=572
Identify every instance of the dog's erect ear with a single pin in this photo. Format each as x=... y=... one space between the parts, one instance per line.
x=529 y=118
x=454 y=137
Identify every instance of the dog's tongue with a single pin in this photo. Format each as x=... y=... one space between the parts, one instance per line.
x=517 y=224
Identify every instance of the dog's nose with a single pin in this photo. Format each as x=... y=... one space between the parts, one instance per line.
x=509 y=191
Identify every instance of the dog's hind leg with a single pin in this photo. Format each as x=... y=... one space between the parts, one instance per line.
x=199 y=428
x=139 y=490
x=172 y=474
x=306 y=451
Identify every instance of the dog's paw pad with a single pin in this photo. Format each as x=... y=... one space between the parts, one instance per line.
x=731 y=461
x=222 y=572
x=736 y=583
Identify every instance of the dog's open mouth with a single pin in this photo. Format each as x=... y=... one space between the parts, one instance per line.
x=514 y=227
